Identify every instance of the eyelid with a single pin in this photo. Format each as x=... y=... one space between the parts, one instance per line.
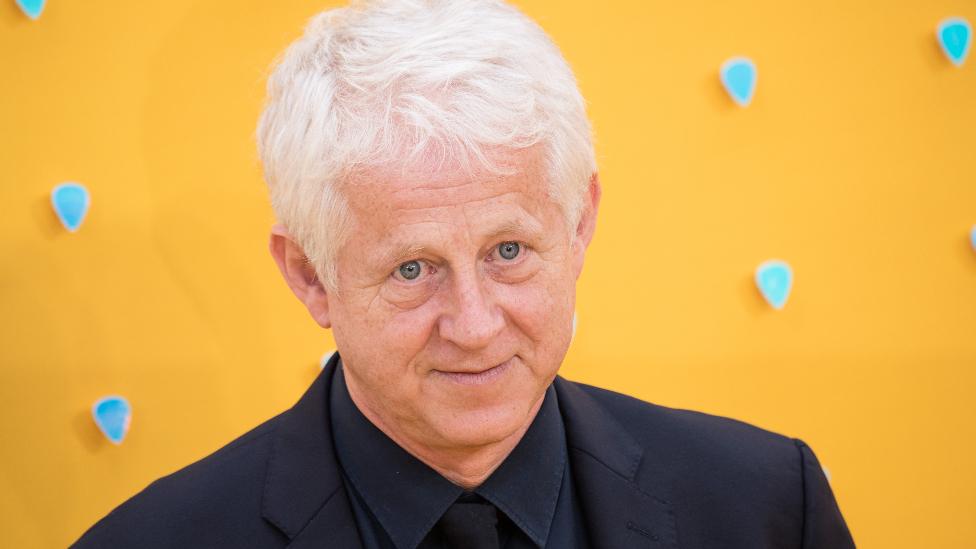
x=427 y=265
x=523 y=248
x=424 y=265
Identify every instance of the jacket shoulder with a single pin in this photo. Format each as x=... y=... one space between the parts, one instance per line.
x=689 y=430
x=212 y=502
x=730 y=483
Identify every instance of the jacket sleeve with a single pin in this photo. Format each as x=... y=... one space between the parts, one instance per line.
x=823 y=524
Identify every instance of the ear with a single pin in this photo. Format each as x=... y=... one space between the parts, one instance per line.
x=299 y=274
x=587 y=222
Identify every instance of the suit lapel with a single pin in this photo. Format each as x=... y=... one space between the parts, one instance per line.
x=334 y=526
x=605 y=461
x=304 y=496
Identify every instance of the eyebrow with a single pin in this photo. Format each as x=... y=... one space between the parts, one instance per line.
x=519 y=226
x=401 y=253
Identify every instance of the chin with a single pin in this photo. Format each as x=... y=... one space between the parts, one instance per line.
x=482 y=426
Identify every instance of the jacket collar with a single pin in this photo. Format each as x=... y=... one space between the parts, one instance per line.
x=303 y=492
x=304 y=496
x=606 y=465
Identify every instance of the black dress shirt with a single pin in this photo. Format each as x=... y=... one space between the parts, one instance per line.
x=397 y=499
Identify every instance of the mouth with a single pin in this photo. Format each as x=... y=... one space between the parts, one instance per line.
x=482 y=377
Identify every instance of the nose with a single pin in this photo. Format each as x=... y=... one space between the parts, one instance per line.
x=474 y=319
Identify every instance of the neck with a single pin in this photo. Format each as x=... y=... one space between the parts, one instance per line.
x=467 y=466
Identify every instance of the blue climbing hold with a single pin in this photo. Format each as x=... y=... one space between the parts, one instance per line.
x=775 y=280
x=113 y=415
x=70 y=201
x=955 y=35
x=739 y=78
x=32 y=8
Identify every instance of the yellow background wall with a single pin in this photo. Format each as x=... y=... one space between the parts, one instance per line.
x=856 y=163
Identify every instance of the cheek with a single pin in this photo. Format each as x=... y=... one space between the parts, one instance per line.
x=405 y=333
x=384 y=337
x=400 y=336
x=542 y=310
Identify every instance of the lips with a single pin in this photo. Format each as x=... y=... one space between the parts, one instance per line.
x=477 y=377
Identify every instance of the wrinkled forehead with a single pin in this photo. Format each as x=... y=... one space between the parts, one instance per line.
x=398 y=210
x=428 y=183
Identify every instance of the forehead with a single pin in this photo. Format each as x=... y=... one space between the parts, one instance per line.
x=391 y=196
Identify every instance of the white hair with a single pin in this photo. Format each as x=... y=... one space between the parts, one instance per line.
x=384 y=82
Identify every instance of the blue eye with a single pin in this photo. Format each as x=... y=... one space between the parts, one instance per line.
x=410 y=270
x=509 y=250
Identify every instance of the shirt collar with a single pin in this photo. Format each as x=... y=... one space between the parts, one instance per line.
x=408 y=497
x=526 y=485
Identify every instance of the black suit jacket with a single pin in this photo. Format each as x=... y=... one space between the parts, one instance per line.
x=647 y=477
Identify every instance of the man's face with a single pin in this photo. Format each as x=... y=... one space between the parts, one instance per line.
x=455 y=297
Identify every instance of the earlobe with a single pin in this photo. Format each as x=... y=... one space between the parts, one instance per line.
x=299 y=274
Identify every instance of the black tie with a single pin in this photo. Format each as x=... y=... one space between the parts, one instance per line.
x=469 y=523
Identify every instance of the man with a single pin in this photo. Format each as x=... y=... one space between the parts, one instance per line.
x=431 y=166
